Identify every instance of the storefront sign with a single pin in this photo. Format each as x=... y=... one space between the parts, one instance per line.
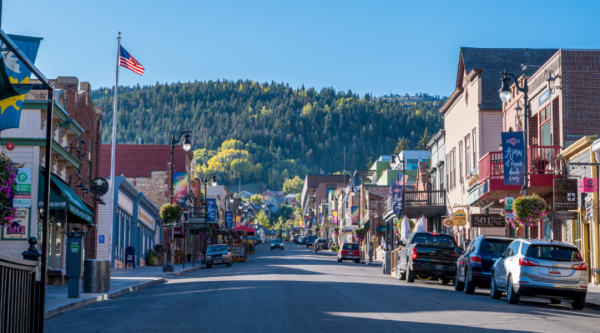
x=459 y=218
x=448 y=223
x=19 y=229
x=508 y=203
x=564 y=215
x=211 y=209
x=397 y=204
x=99 y=186
x=587 y=185
x=354 y=212
x=180 y=187
x=544 y=97
x=335 y=216
x=565 y=194
x=513 y=157
x=480 y=220
x=229 y=220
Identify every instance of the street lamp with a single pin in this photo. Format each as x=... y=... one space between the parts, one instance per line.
x=187 y=145
x=204 y=182
x=505 y=97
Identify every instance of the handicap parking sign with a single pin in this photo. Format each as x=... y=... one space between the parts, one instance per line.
x=100 y=239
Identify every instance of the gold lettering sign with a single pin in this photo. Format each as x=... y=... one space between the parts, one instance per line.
x=144 y=217
x=460 y=218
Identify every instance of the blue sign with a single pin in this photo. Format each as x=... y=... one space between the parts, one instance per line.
x=513 y=157
x=397 y=203
x=129 y=256
x=211 y=209
x=229 y=220
x=101 y=239
x=544 y=97
x=10 y=108
x=321 y=217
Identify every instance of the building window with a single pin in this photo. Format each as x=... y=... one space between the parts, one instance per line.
x=454 y=168
x=467 y=155
x=474 y=149
x=331 y=186
x=545 y=127
x=91 y=163
x=447 y=169
x=460 y=161
x=413 y=164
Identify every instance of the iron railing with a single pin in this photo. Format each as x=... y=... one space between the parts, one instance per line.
x=424 y=198
x=18 y=304
x=541 y=160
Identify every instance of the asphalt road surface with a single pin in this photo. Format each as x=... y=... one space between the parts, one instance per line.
x=295 y=290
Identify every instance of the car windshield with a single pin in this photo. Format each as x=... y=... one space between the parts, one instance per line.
x=350 y=247
x=431 y=239
x=276 y=241
x=494 y=245
x=553 y=253
x=219 y=248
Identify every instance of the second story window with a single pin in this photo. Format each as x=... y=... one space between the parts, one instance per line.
x=460 y=161
x=545 y=127
x=91 y=161
x=474 y=149
x=412 y=164
x=467 y=155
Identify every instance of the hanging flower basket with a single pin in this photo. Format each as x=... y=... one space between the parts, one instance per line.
x=317 y=229
x=336 y=231
x=171 y=212
x=8 y=177
x=529 y=211
x=360 y=233
x=309 y=232
x=206 y=233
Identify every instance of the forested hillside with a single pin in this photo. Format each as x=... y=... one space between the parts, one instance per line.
x=287 y=131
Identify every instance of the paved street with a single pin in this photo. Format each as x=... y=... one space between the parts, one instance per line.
x=295 y=290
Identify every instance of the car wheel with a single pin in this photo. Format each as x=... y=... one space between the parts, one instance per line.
x=410 y=275
x=578 y=304
x=208 y=266
x=444 y=280
x=469 y=286
x=555 y=301
x=494 y=292
x=511 y=295
x=458 y=286
x=339 y=260
x=229 y=265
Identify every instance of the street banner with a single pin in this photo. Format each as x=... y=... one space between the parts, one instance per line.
x=354 y=212
x=586 y=185
x=307 y=223
x=211 y=209
x=397 y=203
x=314 y=220
x=238 y=220
x=335 y=216
x=229 y=220
x=17 y=73
x=180 y=186
x=513 y=157
x=321 y=217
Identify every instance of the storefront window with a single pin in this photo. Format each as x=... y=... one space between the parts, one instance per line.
x=545 y=127
x=547 y=227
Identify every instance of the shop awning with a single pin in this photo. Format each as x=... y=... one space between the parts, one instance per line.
x=244 y=229
x=366 y=224
x=76 y=206
x=382 y=228
x=56 y=200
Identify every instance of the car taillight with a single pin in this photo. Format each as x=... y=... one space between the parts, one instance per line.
x=356 y=252
x=476 y=260
x=414 y=254
x=527 y=262
x=579 y=267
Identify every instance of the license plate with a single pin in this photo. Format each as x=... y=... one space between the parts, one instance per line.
x=554 y=271
x=217 y=261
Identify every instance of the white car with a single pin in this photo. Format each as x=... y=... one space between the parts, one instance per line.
x=542 y=268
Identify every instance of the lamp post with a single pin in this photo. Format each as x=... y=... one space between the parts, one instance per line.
x=505 y=94
x=204 y=181
x=187 y=145
x=395 y=163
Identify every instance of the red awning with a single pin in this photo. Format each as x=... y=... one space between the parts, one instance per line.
x=244 y=229
x=178 y=232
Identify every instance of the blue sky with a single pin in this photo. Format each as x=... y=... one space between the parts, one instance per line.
x=367 y=46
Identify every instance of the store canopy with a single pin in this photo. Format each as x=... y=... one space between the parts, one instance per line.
x=56 y=200
x=382 y=228
x=76 y=206
x=244 y=229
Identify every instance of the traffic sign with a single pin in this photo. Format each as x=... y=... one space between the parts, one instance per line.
x=23 y=181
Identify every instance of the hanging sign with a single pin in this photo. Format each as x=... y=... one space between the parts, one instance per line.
x=229 y=220
x=335 y=216
x=480 y=220
x=565 y=194
x=460 y=218
x=180 y=186
x=211 y=209
x=513 y=157
x=587 y=185
x=448 y=223
x=354 y=212
x=99 y=186
x=397 y=204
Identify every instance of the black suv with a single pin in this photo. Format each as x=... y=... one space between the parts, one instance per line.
x=310 y=240
x=474 y=266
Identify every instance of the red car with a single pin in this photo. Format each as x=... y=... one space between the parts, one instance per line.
x=349 y=251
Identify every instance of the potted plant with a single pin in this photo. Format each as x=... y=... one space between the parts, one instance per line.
x=153 y=258
x=528 y=210
x=8 y=177
x=171 y=212
x=360 y=233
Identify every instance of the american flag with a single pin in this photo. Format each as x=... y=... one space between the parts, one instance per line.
x=129 y=62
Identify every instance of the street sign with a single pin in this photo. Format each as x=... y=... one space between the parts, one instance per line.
x=100 y=239
x=508 y=203
x=480 y=220
x=99 y=186
x=565 y=194
x=197 y=220
x=509 y=215
x=460 y=218
x=23 y=182
x=192 y=226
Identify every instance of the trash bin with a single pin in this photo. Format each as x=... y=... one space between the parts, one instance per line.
x=387 y=262
x=96 y=276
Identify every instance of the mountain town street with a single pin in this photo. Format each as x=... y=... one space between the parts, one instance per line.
x=295 y=290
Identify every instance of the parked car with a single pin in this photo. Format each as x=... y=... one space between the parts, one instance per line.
x=349 y=251
x=218 y=254
x=542 y=268
x=321 y=241
x=428 y=255
x=300 y=240
x=474 y=267
x=277 y=243
x=310 y=240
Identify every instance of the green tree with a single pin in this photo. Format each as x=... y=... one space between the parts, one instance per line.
x=285 y=211
x=422 y=145
x=401 y=145
x=256 y=199
x=262 y=219
x=294 y=185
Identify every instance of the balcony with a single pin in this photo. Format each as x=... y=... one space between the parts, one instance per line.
x=420 y=203
x=542 y=165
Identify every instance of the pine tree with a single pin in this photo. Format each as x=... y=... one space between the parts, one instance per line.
x=401 y=145
x=422 y=145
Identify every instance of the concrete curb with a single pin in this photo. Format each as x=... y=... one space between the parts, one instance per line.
x=84 y=302
x=75 y=305
x=592 y=306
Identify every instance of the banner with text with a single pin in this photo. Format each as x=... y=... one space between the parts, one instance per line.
x=211 y=210
x=354 y=212
x=229 y=220
x=180 y=186
x=397 y=203
x=513 y=157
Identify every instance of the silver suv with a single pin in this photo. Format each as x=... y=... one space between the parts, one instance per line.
x=546 y=269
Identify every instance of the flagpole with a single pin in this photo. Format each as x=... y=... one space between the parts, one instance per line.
x=112 y=159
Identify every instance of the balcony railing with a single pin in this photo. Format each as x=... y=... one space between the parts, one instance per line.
x=541 y=160
x=424 y=198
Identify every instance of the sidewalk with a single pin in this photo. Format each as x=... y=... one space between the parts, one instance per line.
x=593 y=297
x=122 y=281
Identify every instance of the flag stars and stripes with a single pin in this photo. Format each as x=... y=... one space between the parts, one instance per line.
x=129 y=62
